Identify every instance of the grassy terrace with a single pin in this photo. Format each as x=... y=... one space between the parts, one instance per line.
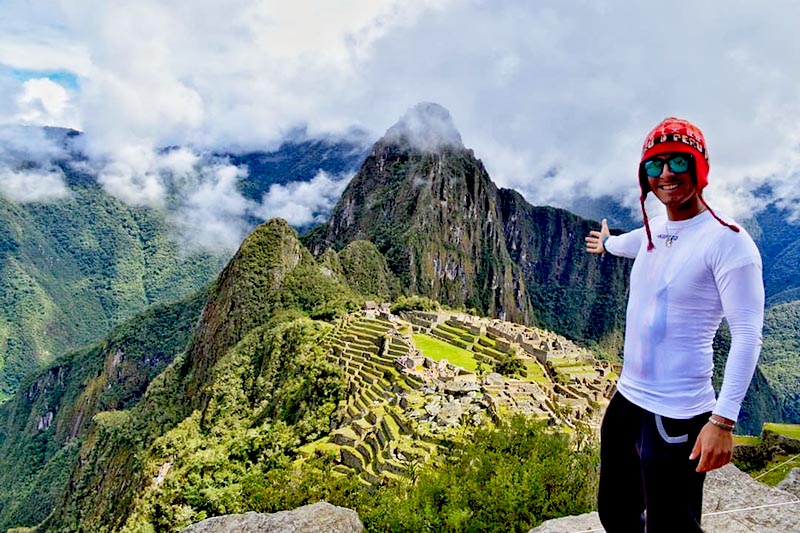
x=534 y=372
x=787 y=430
x=746 y=439
x=777 y=469
x=437 y=350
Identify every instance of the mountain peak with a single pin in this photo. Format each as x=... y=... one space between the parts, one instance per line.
x=427 y=127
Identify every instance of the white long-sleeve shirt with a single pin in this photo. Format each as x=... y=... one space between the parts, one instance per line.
x=699 y=272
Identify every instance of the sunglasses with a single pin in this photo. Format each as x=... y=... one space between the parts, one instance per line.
x=677 y=163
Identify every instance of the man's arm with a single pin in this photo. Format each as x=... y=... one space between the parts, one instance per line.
x=742 y=295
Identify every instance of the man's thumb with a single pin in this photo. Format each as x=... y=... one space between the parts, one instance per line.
x=604 y=225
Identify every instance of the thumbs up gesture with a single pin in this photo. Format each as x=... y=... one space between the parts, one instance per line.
x=594 y=241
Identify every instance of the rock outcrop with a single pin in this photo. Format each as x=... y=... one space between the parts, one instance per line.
x=320 y=517
x=733 y=502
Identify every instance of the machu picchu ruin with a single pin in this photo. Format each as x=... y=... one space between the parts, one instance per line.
x=415 y=379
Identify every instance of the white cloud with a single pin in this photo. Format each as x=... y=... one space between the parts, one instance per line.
x=302 y=203
x=211 y=214
x=426 y=126
x=27 y=171
x=198 y=191
x=533 y=86
x=24 y=186
x=44 y=102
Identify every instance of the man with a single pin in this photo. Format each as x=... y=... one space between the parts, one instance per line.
x=664 y=429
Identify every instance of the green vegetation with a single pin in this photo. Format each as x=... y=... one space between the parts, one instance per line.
x=788 y=430
x=73 y=269
x=779 y=358
x=414 y=303
x=438 y=349
x=748 y=440
x=509 y=479
x=776 y=469
x=365 y=271
x=272 y=393
x=36 y=457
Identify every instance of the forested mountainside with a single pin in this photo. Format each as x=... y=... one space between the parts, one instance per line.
x=43 y=426
x=70 y=269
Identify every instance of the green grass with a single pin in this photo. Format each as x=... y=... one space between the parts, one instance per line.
x=535 y=372
x=437 y=350
x=772 y=477
x=787 y=430
x=746 y=439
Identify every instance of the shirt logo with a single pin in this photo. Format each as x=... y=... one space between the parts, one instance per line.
x=668 y=239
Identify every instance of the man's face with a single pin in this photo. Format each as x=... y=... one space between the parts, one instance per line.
x=673 y=187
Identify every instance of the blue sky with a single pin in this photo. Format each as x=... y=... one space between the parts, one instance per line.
x=572 y=85
x=68 y=80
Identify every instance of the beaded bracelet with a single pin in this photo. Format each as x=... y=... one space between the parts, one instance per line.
x=722 y=425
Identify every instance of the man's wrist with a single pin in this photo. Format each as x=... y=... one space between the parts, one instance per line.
x=722 y=422
x=603 y=242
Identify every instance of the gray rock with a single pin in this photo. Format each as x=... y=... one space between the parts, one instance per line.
x=791 y=483
x=432 y=408
x=571 y=524
x=494 y=379
x=320 y=517
x=733 y=502
x=450 y=414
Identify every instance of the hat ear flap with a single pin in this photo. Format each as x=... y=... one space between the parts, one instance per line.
x=644 y=183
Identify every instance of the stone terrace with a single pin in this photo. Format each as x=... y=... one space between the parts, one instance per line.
x=401 y=403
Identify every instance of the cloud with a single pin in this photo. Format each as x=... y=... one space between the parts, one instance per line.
x=41 y=185
x=554 y=97
x=211 y=214
x=43 y=102
x=426 y=126
x=198 y=192
x=303 y=202
x=27 y=169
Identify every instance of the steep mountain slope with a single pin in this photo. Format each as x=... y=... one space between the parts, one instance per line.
x=249 y=344
x=71 y=270
x=43 y=427
x=780 y=358
x=449 y=234
x=779 y=243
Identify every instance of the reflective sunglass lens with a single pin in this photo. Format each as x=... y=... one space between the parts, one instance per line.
x=653 y=167
x=679 y=164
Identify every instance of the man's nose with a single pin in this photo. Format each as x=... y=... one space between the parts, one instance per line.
x=666 y=172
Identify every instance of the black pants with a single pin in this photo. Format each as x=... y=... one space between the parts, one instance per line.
x=645 y=466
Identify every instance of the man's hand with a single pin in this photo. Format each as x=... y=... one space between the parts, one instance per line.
x=594 y=241
x=714 y=446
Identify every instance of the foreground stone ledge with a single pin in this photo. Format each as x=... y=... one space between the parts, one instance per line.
x=320 y=517
x=733 y=502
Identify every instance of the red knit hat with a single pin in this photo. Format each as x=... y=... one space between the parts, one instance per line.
x=677 y=135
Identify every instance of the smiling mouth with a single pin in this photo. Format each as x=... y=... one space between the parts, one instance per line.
x=670 y=187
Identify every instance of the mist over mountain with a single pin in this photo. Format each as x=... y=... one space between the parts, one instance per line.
x=80 y=255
